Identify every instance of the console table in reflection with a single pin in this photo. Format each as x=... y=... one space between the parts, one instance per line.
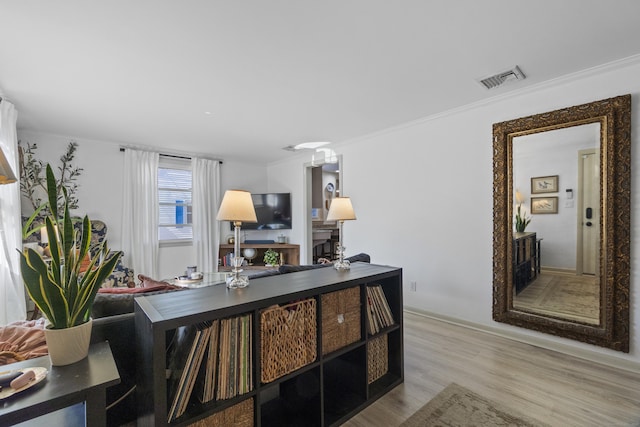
x=526 y=259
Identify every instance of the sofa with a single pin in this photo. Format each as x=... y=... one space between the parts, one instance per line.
x=114 y=321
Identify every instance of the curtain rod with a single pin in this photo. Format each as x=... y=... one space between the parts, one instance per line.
x=175 y=156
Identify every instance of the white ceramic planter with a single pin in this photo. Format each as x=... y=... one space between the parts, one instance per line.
x=70 y=345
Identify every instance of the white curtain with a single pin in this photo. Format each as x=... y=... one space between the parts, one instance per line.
x=205 y=201
x=140 y=212
x=12 y=294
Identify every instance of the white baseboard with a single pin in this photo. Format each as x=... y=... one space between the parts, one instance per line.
x=604 y=359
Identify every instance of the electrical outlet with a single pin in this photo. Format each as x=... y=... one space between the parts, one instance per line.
x=413 y=286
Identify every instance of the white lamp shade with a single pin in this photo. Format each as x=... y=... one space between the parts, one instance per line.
x=237 y=206
x=341 y=210
x=44 y=234
x=6 y=174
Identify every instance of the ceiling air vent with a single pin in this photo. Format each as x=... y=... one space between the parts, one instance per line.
x=503 y=77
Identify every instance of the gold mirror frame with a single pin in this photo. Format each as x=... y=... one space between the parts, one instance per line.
x=614 y=116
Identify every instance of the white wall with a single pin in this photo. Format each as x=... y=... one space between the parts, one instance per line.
x=253 y=179
x=422 y=193
x=100 y=183
x=100 y=188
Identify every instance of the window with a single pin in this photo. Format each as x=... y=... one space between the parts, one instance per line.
x=174 y=197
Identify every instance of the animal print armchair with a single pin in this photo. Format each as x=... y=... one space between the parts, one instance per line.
x=122 y=276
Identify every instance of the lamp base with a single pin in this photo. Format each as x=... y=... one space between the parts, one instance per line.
x=342 y=265
x=237 y=281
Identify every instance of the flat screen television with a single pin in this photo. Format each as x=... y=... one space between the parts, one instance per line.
x=273 y=211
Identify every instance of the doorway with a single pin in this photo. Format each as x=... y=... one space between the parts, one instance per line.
x=588 y=236
x=322 y=183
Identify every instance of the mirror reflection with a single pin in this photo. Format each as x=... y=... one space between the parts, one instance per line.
x=556 y=241
x=324 y=175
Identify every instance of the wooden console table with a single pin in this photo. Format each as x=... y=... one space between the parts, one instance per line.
x=65 y=386
x=291 y=253
x=526 y=259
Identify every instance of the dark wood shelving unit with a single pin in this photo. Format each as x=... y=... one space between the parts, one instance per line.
x=290 y=253
x=325 y=392
x=526 y=259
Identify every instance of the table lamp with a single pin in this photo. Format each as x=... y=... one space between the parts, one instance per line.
x=6 y=174
x=237 y=207
x=341 y=211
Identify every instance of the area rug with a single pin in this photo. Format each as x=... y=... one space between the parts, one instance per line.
x=455 y=406
x=565 y=296
x=574 y=297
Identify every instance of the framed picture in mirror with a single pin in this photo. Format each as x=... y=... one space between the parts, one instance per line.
x=544 y=184
x=544 y=205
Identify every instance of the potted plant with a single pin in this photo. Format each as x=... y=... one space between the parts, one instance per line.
x=271 y=257
x=521 y=220
x=58 y=287
x=33 y=186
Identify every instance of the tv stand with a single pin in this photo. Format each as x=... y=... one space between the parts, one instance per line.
x=290 y=253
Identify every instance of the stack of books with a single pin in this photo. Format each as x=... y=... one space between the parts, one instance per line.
x=379 y=315
x=235 y=376
x=211 y=360
x=187 y=351
x=205 y=383
x=227 y=260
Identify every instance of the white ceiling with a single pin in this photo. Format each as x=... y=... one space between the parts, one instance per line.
x=279 y=72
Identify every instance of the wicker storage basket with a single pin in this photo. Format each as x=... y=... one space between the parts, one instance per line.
x=377 y=358
x=238 y=415
x=288 y=338
x=340 y=319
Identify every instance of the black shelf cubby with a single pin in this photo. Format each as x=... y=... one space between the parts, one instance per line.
x=294 y=402
x=325 y=390
x=395 y=372
x=345 y=384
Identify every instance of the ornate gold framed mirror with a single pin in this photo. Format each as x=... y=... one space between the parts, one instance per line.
x=565 y=175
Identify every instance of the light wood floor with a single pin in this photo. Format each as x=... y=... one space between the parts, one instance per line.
x=554 y=388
